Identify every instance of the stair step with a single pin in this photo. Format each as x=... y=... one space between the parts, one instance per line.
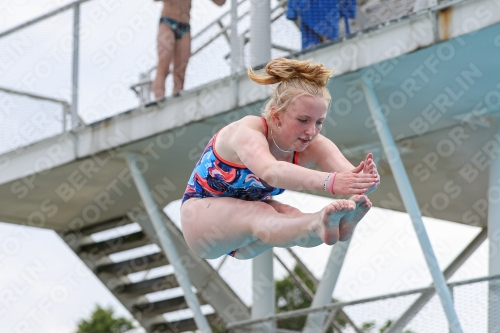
x=163 y=306
x=184 y=325
x=117 y=244
x=149 y=286
x=134 y=265
x=103 y=226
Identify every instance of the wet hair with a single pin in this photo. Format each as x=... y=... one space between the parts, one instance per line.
x=296 y=78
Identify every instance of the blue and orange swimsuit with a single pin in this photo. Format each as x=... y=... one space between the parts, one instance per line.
x=215 y=177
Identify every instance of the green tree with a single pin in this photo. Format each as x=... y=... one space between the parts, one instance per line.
x=103 y=321
x=290 y=297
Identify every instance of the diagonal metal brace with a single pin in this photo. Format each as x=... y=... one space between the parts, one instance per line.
x=398 y=325
x=166 y=243
x=411 y=204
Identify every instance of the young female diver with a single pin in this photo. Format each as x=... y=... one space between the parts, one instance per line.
x=227 y=206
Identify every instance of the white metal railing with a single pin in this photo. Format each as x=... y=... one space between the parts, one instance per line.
x=75 y=6
x=286 y=41
x=471 y=302
x=143 y=88
x=66 y=108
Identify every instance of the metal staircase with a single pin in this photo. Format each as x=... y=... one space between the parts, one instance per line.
x=210 y=287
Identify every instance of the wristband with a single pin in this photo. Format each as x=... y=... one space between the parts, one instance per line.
x=331 y=184
x=326 y=181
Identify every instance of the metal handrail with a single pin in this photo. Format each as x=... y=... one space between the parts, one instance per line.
x=145 y=79
x=35 y=96
x=42 y=17
x=274 y=19
x=66 y=106
x=339 y=305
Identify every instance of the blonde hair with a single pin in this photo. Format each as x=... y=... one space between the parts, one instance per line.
x=295 y=78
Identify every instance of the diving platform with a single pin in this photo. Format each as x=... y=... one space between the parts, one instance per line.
x=436 y=83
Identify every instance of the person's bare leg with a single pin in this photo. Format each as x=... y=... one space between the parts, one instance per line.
x=257 y=247
x=351 y=219
x=214 y=226
x=165 y=46
x=181 y=59
x=252 y=250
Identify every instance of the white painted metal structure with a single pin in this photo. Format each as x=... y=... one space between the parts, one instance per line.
x=326 y=287
x=262 y=266
x=434 y=73
x=165 y=239
x=494 y=232
x=411 y=204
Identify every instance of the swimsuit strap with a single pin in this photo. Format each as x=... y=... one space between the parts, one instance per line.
x=265 y=125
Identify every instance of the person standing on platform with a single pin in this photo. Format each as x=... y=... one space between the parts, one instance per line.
x=173 y=44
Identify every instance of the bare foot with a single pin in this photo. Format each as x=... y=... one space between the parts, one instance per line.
x=349 y=221
x=328 y=229
x=158 y=89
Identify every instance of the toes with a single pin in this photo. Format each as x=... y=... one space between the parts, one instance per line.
x=356 y=197
x=348 y=204
x=367 y=205
x=341 y=204
x=335 y=206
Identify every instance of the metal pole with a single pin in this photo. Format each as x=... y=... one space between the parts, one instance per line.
x=398 y=325
x=235 y=44
x=301 y=284
x=411 y=205
x=323 y=295
x=329 y=320
x=263 y=290
x=260 y=32
x=493 y=235
x=166 y=243
x=303 y=267
x=315 y=281
x=339 y=305
x=65 y=106
x=74 y=86
x=262 y=270
x=41 y=18
x=236 y=52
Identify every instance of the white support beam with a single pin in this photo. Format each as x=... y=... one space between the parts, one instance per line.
x=398 y=325
x=263 y=291
x=75 y=66
x=494 y=236
x=167 y=244
x=260 y=32
x=315 y=281
x=262 y=269
x=202 y=276
x=236 y=51
x=411 y=204
x=323 y=295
